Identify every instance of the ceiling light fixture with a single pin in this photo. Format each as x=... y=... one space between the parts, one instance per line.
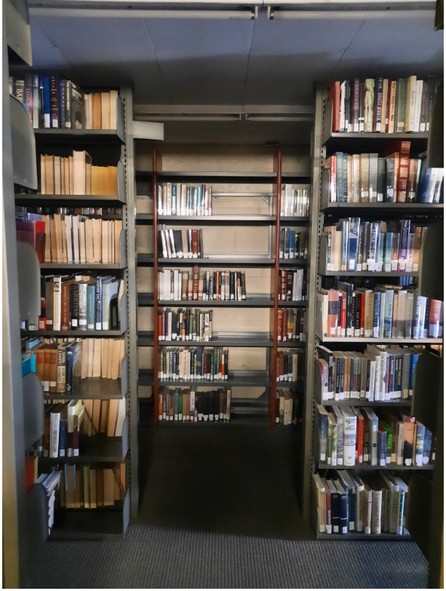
x=354 y=9
x=145 y=9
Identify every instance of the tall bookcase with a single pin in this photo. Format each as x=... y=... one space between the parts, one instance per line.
x=100 y=450
x=242 y=233
x=325 y=144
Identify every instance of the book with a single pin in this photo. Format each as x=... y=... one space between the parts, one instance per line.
x=321 y=502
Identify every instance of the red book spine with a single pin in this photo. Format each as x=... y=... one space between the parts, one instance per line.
x=343 y=314
x=279 y=324
x=334 y=94
x=360 y=439
x=333 y=312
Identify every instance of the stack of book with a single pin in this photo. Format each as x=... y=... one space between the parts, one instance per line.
x=81 y=302
x=294 y=202
x=195 y=363
x=62 y=427
x=60 y=364
x=104 y=417
x=378 y=374
x=290 y=325
x=286 y=407
x=370 y=504
x=387 y=311
x=57 y=103
x=182 y=199
x=292 y=285
x=76 y=175
x=293 y=243
x=353 y=244
x=395 y=177
x=61 y=238
x=191 y=405
x=289 y=365
x=352 y=436
x=184 y=324
x=382 y=105
x=92 y=487
x=183 y=284
x=174 y=243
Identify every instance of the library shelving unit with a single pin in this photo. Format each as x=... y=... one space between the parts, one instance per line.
x=326 y=213
x=144 y=274
x=19 y=395
x=241 y=234
x=98 y=451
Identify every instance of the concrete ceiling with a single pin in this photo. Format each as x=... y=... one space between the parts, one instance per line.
x=212 y=66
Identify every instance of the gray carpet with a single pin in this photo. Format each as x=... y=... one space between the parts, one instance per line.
x=219 y=510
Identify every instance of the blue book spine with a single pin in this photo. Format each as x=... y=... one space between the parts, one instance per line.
x=377 y=296
x=63 y=430
x=353 y=237
x=91 y=306
x=335 y=512
x=404 y=244
x=343 y=513
x=424 y=183
x=46 y=100
x=292 y=243
x=382 y=447
x=62 y=102
x=388 y=313
x=413 y=364
x=69 y=366
x=99 y=284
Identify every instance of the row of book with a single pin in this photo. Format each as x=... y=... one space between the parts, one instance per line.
x=60 y=364
x=191 y=405
x=377 y=374
x=81 y=302
x=184 y=324
x=26 y=213
x=104 y=417
x=294 y=202
x=292 y=285
x=286 y=407
x=62 y=426
x=353 y=244
x=187 y=324
x=57 y=103
x=197 y=363
x=372 y=503
x=382 y=105
x=184 y=199
x=183 y=284
x=293 y=244
x=76 y=175
x=59 y=238
x=291 y=325
x=352 y=436
x=387 y=311
x=371 y=178
x=92 y=487
x=66 y=422
x=290 y=365
x=175 y=243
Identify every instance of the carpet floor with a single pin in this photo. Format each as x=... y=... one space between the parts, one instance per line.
x=219 y=509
